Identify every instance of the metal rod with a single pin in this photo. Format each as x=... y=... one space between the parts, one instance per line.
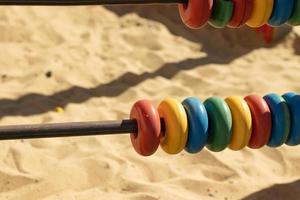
x=70 y=129
x=12 y=132
x=84 y=2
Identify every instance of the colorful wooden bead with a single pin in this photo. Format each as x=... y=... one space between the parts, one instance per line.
x=221 y=13
x=261 y=121
x=295 y=17
x=220 y=124
x=146 y=140
x=293 y=101
x=195 y=13
x=241 y=13
x=262 y=10
x=280 y=119
x=174 y=137
x=241 y=122
x=197 y=123
x=282 y=11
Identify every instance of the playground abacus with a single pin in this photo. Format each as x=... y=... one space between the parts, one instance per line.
x=191 y=125
x=216 y=124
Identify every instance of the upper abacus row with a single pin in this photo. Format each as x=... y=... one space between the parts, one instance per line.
x=197 y=13
x=236 y=13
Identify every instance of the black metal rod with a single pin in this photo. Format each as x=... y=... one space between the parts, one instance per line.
x=84 y=2
x=29 y=131
x=70 y=129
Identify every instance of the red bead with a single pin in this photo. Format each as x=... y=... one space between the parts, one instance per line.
x=242 y=12
x=261 y=121
x=146 y=141
x=195 y=13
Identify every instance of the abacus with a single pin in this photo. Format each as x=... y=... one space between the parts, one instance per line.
x=235 y=122
x=197 y=13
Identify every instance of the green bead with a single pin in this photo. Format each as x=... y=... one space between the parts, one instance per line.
x=220 y=124
x=295 y=17
x=221 y=13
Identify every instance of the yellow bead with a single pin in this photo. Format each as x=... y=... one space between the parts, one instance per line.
x=262 y=10
x=174 y=139
x=241 y=122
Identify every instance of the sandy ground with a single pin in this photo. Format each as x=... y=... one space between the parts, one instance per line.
x=95 y=62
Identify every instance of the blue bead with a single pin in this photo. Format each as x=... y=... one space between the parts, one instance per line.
x=282 y=11
x=280 y=119
x=197 y=124
x=293 y=101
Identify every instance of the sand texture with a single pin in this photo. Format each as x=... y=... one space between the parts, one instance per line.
x=95 y=62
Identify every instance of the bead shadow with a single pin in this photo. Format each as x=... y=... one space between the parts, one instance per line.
x=33 y=103
x=296 y=45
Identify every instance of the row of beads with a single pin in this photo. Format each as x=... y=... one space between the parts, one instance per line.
x=236 y=13
x=235 y=123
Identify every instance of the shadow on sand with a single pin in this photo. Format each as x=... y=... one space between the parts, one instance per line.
x=230 y=45
x=288 y=191
x=33 y=103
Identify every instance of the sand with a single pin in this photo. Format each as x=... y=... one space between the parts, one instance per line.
x=94 y=63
